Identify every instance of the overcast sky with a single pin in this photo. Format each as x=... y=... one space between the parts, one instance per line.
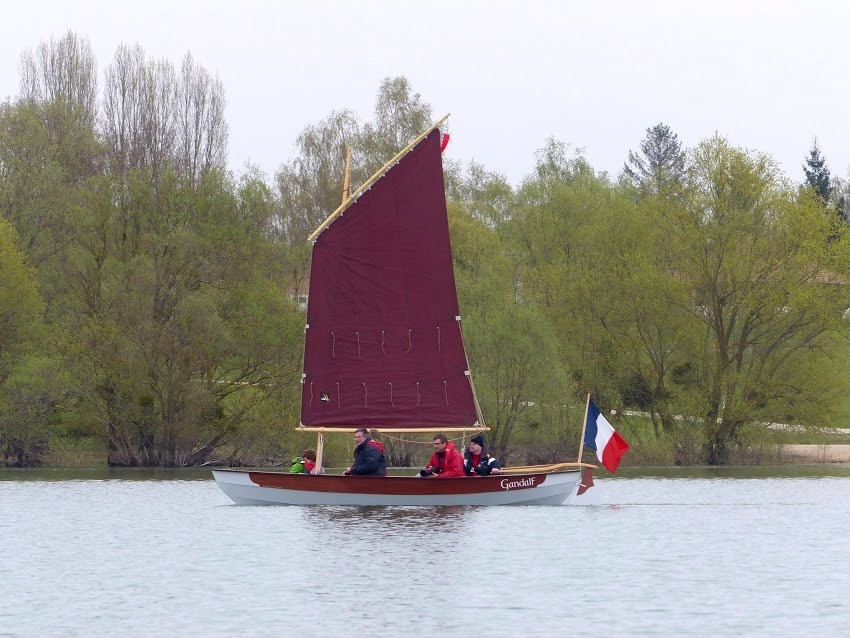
x=768 y=75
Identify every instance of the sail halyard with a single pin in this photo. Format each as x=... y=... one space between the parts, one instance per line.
x=383 y=342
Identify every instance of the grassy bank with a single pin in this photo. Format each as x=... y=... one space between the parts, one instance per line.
x=757 y=447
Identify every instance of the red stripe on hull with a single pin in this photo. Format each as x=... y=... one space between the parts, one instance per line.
x=397 y=485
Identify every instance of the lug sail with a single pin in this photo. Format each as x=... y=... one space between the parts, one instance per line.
x=383 y=344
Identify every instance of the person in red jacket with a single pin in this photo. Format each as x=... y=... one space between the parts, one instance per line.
x=446 y=461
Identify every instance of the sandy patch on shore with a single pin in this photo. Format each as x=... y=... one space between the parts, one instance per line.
x=818 y=453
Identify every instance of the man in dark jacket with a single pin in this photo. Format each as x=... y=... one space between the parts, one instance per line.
x=477 y=462
x=368 y=456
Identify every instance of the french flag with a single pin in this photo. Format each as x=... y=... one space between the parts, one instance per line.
x=600 y=436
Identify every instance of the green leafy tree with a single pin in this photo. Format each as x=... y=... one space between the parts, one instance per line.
x=512 y=349
x=21 y=307
x=180 y=342
x=629 y=303
x=310 y=186
x=400 y=116
x=769 y=288
x=553 y=167
x=484 y=195
x=30 y=402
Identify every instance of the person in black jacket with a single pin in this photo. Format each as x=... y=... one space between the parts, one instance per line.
x=368 y=456
x=477 y=462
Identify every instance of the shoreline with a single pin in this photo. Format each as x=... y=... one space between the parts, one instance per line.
x=813 y=453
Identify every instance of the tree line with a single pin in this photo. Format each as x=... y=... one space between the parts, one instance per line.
x=148 y=296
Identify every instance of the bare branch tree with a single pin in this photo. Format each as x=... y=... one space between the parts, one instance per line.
x=140 y=101
x=62 y=70
x=123 y=108
x=202 y=131
x=160 y=123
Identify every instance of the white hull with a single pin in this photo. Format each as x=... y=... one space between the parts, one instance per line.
x=271 y=488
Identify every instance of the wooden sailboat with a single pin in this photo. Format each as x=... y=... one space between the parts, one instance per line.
x=384 y=348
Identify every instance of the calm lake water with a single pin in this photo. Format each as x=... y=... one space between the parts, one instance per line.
x=734 y=552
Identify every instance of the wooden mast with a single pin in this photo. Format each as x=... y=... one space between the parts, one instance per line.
x=583 y=427
x=346 y=187
x=346 y=182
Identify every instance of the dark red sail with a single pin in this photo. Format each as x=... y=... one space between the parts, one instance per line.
x=383 y=341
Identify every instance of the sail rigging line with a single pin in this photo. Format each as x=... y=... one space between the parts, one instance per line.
x=439 y=340
x=358 y=344
x=409 y=340
x=391 y=395
x=369 y=182
x=365 y=396
x=382 y=343
x=385 y=435
x=333 y=346
x=469 y=374
x=338 y=398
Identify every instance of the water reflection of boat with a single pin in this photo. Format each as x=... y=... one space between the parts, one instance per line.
x=401 y=516
x=384 y=348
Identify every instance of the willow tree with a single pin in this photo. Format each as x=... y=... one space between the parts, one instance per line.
x=769 y=288
x=181 y=347
x=31 y=382
x=512 y=348
x=400 y=116
x=310 y=185
x=21 y=307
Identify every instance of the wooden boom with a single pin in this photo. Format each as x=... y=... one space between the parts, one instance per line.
x=532 y=469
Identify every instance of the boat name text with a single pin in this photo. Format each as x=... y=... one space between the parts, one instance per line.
x=508 y=484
